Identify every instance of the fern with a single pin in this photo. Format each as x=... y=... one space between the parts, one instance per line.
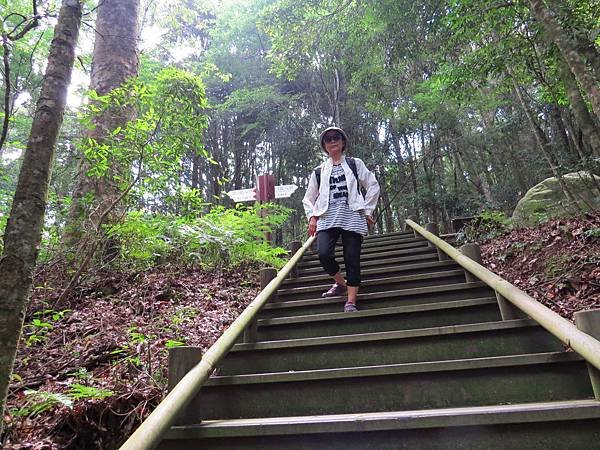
x=82 y=392
x=37 y=402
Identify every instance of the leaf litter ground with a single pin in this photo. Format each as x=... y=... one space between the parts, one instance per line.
x=113 y=337
x=557 y=263
x=116 y=334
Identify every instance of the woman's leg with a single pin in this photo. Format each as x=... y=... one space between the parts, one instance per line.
x=326 y=240
x=352 y=246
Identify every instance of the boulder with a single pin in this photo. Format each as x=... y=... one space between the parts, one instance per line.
x=546 y=200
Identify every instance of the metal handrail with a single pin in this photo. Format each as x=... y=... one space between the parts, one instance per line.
x=582 y=343
x=151 y=431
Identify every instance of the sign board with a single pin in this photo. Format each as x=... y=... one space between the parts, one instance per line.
x=243 y=195
x=264 y=192
x=285 y=190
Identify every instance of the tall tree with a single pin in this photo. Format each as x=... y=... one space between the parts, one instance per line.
x=17 y=59
x=115 y=60
x=573 y=57
x=24 y=228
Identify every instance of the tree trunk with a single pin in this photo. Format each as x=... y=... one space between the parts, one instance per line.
x=517 y=169
x=569 y=51
x=585 y=121
x=559 y=131
x=386 y=208
x=413 y=178
x=24 y=228
x=543 y=144
x=575 y=134
x=115 y=60
x=589 y=50
x=7 y=89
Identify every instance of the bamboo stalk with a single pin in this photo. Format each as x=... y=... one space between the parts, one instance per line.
x=582 y=343
x=151 y=431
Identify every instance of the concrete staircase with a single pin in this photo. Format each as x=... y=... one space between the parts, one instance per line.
x=426 y=363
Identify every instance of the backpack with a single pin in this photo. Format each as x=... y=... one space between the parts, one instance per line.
x=351 y=163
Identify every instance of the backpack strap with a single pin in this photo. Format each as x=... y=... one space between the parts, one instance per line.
x=318 y=175
x=352 y=164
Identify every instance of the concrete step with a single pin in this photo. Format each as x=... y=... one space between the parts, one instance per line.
x=379 y=285
x=394 y=235
x=376 y=273
x=381 y=255
x=377 y=320
x=533 y=426
x=369 y=250
x=526 y=378
x=430 y=256
x=378 y=300
x=392 y=347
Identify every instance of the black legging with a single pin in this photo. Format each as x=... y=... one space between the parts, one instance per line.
x=352 y=242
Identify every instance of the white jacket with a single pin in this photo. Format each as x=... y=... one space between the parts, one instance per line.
x=316 y=199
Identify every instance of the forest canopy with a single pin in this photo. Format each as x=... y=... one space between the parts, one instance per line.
x=459 y=106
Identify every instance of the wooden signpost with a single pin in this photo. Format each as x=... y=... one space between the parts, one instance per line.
x=265 y=191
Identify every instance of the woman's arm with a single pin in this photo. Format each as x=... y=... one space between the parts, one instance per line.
x=367 y=180
x=312 y=192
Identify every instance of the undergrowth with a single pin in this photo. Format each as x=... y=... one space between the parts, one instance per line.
x=223 y=237
x=486 y=225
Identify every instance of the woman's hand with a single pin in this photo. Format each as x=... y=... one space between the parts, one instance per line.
x=370 y=220
x=312 y=226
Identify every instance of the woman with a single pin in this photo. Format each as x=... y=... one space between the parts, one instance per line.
x=334 y=206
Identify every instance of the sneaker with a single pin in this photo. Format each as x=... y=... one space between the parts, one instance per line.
x=335 y=290
x=350 y=307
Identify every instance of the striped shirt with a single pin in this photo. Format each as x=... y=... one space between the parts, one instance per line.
x=338 y=214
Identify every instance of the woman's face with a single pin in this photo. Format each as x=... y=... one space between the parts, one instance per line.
x=334 y=143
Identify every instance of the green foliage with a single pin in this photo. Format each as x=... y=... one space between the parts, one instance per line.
x=42 y=323
x=592 y=233
x=81 y=374
x=221 y=237
x=127 y=352
x=81 y=392
x=171 y=343
x=170 y=116
x=486 y=225
x=184 y=314
x=555 y=265
x=37 y=402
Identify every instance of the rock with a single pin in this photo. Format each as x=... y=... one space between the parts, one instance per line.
x=546 y=200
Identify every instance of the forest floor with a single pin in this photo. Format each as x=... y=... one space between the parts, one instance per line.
x=557 y=263
x=98 y=364
x=88 y=371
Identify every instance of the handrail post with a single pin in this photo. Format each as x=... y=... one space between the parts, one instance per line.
x=181 y=361
x=507 y=309
x=407 y=226
x=266 y=275
x=434 y=228
x=589 y=322
x=294 y=247
x=473 y=251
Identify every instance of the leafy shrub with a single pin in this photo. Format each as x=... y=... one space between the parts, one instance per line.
x=42 y=323
x=486 y=225
x=36 y=402
x=224 y=236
